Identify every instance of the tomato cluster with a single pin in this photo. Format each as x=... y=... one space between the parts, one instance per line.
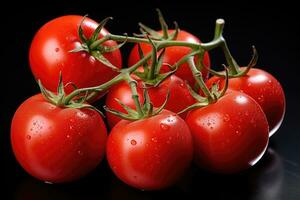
x=173 y=111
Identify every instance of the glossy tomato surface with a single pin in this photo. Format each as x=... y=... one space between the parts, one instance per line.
x=264 y=89
x=230 y=135
x=179 y=99
x=172 y=55
x=151 y=153
x=50 y=53
x=57 y=144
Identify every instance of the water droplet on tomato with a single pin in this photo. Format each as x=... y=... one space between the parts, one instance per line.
x=133 y=142
x=181 y=84
x=81 y=114
x=68 y=136
x=164 y=126
x=154 y=139
x=28 y=137
x=80 y=152
x=56 y=49
x=238 y=132
x=71 y=127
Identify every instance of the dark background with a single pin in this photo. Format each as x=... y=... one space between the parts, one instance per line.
x=272 y=28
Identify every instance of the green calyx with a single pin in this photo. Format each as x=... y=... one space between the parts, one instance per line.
x=211 y=96
x=147 y=31
x=151 y=72
x=239 y=72
x=59 y=98
x=143 y=111
x=95 y=46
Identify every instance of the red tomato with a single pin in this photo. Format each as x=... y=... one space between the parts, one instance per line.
x=230 y=135
x=179 y=99
x=151 y=153
x=265 y=89
x=49 y=54
x=172 y=55
x=57 y=144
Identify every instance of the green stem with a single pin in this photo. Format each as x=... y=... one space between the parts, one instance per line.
x=108 y=84
x=196 y=48
x=133 y=84
x=198 y=77
x=219 y=28
x=151 y=74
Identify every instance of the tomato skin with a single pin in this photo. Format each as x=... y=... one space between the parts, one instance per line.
x=264 y=89
x=49 y=54
x=179 y=99
x=57 y=144
x=151 y=153
x=230 y=135
x=172 y=55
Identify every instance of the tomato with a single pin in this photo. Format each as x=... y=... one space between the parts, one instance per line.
x=265 y=89
x=57 y=144
x=230 y=135
x=172 y=55
x=179 y=99
x=50 y=53
x=151 y=153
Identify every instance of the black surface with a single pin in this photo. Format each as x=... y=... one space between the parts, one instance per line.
x=272 y=28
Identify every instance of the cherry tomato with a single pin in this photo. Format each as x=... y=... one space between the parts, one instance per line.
x=50 y=53
x=151 y=153
x=230 y=135
x=172 y=55
x=265 y=89
x=179 y=99
x=57 y=144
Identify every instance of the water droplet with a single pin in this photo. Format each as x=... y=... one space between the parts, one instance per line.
x=51 y=107
x=133 y=142
x=80 y=152
x=154 y=139
x=71 y=127
x=56 y=49
x=68 y=136
x=48 y=182
x=208 y=123
x=34 y=123
x=181 y=84
x=226 y=118
x=83 y=55
x=28 y=137
x=164 y=127
x=81 y=114
x=249 y=84
x=238 y=132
